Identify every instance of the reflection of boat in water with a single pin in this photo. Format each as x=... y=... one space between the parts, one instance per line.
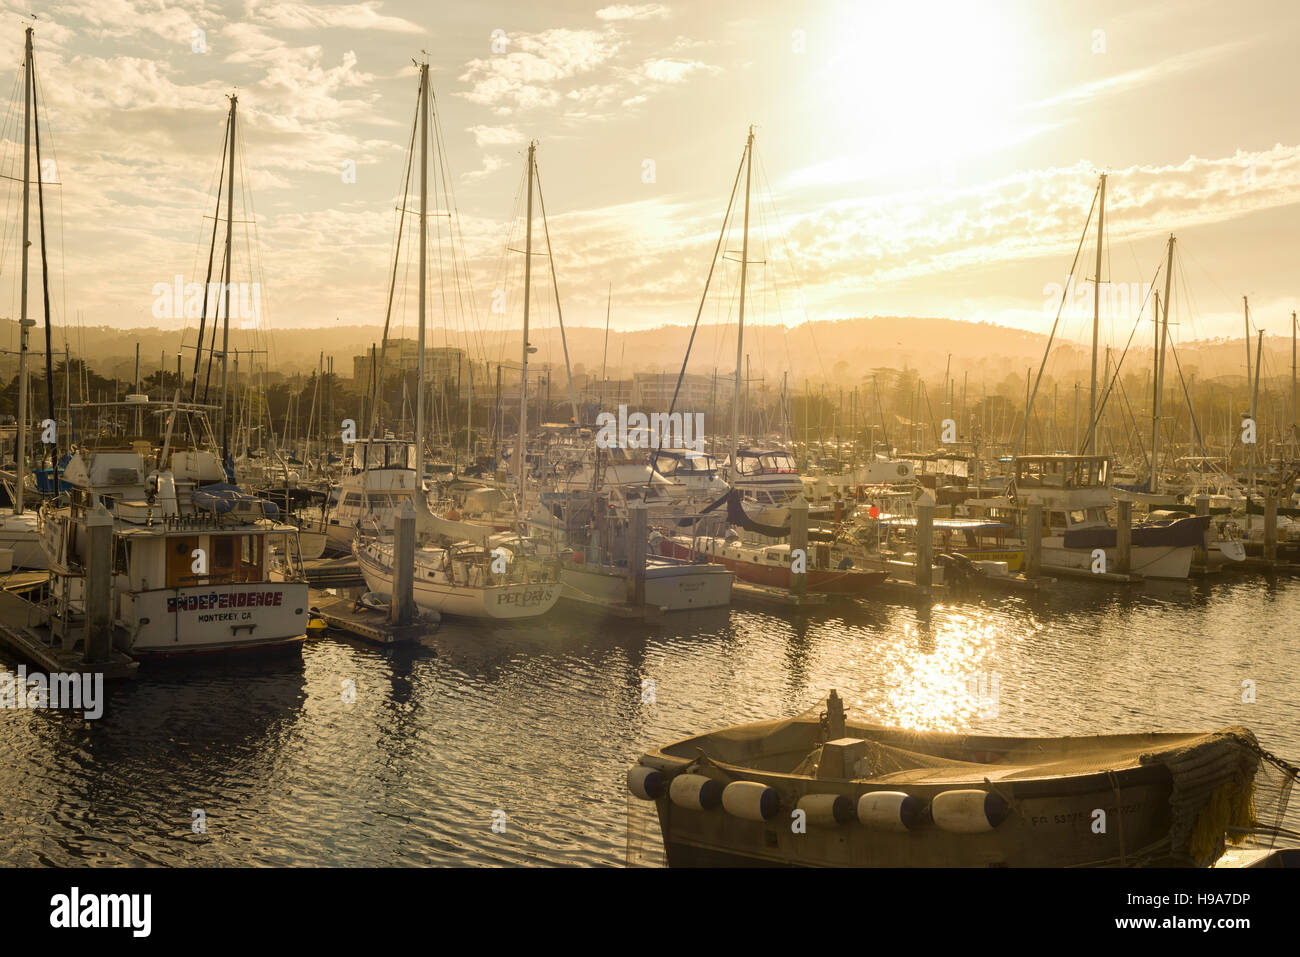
x=888 y=797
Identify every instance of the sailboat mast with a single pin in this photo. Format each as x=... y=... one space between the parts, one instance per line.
x=424 y=238
x=1096 y=315
x=1162 y=332
x=604 y=355
x=523 y=366
x=740 y=326
x=225 y=329
x=24 y=323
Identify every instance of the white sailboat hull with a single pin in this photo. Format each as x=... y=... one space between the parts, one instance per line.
x=502 y=602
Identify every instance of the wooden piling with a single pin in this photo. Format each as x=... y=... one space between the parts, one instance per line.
x=99 y=587
x=1033 y=540
x=1270 y=527
x=637 y=542
x=1124 y=536
x=401 y=607
x=799 y=542
x=924 y=544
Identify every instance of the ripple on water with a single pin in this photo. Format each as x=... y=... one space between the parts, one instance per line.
x=541 y=720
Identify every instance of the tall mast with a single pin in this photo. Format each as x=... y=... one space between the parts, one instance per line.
x=740 y=327
x=609 y=299
x=523 y=367
x=24 y=323
x=419 y=348
x=1293 y=403
x=225 y=329
x=1096 y=315
x=1162 y=333
x=1245 y=311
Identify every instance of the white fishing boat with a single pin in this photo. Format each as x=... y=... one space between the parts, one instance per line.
x=192 y=555
x=1075 y=496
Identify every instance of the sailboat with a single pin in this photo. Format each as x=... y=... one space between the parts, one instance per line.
x=19 y=528
x=764 y=483
x=477 y=572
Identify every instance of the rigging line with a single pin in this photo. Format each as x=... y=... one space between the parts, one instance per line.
x=1191 y=409
x=212 y=346
x=50 y=449
x=1047 y=351
x=731 y=201
x=1101 y=405
x=555 y=284
x=794 y=271
x=461 y=265
x=392 y=284
x=207 y=281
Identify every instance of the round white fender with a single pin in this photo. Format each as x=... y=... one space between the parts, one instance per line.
x=828 y=809
x=695 y=791
x=750 y=800
x=645 y=783
x=889 y=810
x=969 y=811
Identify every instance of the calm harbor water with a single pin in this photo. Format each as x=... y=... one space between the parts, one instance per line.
x=542 y=720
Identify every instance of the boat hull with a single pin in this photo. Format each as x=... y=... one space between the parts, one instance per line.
x=669 y=586
x=853 y=582
x=501 y=602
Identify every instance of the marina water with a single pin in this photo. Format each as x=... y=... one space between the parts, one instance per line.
x=508 y=745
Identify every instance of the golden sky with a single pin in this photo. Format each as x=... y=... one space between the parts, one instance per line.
x=919 y=158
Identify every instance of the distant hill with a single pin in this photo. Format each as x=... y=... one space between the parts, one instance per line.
x=831 y=353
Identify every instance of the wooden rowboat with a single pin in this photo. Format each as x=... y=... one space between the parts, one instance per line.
x=818 y=790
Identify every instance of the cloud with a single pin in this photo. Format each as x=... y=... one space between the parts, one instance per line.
x=495 y=135
x=524 y=77
x=647 y=11
x=351 y=16
x=674 y=71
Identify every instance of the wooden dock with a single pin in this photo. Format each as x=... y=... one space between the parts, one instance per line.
x=23 y=632
x=368 y=624
x=1113 y=578
x=763 y=595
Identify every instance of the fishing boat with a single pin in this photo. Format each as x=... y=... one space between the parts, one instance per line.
x=772 y=565
x=820 y=790
x=192 y=571
x=1075 y=497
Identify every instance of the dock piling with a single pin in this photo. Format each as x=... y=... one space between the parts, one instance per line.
x=402 y=601
x=1034 y=540
x=1270 y=527
x=799 y=541
x=637 y=542
x=924 y=542
x=1124 y=536
x=99 y=587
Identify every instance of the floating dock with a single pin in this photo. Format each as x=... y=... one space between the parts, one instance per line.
x=23 y=631
x=368 y=624
x=763 y=595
